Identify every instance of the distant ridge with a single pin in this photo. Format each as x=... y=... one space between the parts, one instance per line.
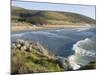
x=48 y=17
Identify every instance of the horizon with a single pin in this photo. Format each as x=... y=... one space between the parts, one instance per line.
x=85 y=10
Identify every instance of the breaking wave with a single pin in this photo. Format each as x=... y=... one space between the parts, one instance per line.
x=49 y=34
x=82 y=29
x=85 y=52
x=19 y=34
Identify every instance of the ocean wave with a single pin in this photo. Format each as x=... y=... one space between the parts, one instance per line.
x=49 y=34
x=85 y=52
x=44 y=33
x=87 y=27
x=83 y=29
x=17 y=35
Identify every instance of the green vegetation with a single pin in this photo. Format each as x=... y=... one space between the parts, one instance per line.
x=35 y=62
x=32 y=62
x=48 y=17
x=30 y=57
x=91 y=65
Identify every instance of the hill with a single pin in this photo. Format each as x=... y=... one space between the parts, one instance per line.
x=39 y=17
x=32 y=57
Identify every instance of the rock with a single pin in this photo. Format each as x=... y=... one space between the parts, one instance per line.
x=18 y=46
x=42 y=49
x=21 y=42
x=62 y=62
x=24 y=48
x=27 y=44
x=31 y=47
x=13 y=46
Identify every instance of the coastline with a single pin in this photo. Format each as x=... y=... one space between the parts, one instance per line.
x=18 y=28
x=40 y=52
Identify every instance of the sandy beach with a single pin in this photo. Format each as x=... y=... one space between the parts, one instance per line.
x=25 y=26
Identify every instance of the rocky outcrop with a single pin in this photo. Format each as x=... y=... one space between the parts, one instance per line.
x=63 y=62
x=22 y=45
x=30 y=46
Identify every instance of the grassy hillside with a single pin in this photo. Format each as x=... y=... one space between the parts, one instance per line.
x=32 y=62
x=38 y=17
x=30 y=57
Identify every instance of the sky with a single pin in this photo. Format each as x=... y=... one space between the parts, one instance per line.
x=80 y=9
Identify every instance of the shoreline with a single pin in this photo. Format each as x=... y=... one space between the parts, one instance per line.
x=17 y=28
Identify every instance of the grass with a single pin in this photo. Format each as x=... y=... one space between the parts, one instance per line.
x=32 y=62
x=91 y=65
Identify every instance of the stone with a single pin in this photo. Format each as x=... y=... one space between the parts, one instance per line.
x=27 y=44
x=62 y=62
x=13 y=46
x=18 y=46
x=21 y=42
x=24 y=48
x=30 y=47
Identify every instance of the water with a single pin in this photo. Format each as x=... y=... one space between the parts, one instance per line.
x=60 y=41
x=78 y=45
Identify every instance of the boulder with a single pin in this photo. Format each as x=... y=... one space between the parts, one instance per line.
x=24 y=48
x=41 y=49
x=18 y=46
x=21 y=42
x=13 y=46
x=31 y=47
x=62 y=62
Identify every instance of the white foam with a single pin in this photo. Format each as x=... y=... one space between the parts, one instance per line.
x=17 y=35
x=84 y=53
x=20 y=34
x=72 y=62
x=86 y=27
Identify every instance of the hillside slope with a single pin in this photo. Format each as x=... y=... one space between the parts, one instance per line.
x=38 y=17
